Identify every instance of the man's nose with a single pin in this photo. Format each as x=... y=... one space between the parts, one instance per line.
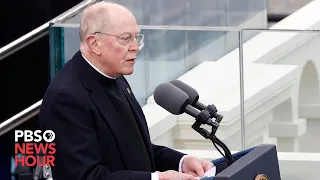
x=134 y=45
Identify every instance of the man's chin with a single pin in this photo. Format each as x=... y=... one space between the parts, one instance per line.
x=128 y=71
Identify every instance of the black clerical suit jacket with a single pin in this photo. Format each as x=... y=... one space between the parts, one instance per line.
x=98 y=135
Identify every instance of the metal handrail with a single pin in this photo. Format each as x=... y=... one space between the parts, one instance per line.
x=23 y=41
x=41 y=31
x=20 y=118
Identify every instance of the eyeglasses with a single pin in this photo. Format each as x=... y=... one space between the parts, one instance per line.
x=126 y=39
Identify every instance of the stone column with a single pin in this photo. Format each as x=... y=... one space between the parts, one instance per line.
x=287 y=127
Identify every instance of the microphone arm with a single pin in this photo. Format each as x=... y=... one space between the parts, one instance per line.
x=212 y=109
x=204 y=118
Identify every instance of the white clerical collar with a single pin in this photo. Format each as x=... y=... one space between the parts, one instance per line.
x=97 y=68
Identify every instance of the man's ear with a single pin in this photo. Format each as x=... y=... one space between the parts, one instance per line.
x=93 y=45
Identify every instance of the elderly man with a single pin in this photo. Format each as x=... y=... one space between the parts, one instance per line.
x=101 y=131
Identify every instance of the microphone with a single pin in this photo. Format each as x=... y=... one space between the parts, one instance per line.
x=175 y=101
x=194 y=97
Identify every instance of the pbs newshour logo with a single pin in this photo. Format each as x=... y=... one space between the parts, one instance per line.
x=36 y=136
x=36 y=147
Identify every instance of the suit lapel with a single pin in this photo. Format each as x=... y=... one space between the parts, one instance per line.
x=135 y=108
x=142 y=123
x=124 y=133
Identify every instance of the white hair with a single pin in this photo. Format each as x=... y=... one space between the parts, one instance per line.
x=95 y=18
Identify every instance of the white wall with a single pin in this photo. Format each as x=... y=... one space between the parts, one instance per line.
x=273 y=65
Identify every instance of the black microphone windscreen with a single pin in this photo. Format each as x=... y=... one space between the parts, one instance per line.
x=171 y=98
x=191 y=92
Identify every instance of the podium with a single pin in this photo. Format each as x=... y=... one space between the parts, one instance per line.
x=257 y=163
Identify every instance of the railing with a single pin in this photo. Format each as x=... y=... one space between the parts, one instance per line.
x=24 y=41
x=20 y=118
x=41 y=31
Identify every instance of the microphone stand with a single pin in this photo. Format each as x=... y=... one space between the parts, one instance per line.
x=212 y=109
x=39 y=173
x=204 y=118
